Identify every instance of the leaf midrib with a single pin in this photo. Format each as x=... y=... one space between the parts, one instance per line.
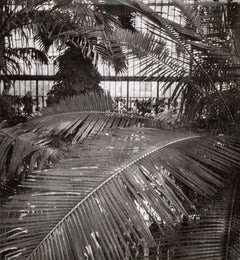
x=118 y=171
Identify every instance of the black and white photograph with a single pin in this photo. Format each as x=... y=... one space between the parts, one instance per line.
x=119 y=129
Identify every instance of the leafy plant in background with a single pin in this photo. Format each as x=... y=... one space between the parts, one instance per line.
x=100 y=31
x=211 y=115
x=76 y=76
x=203 y=75
x=6 y=109
x=15 y=20
x=66 y=24
x=62 y=23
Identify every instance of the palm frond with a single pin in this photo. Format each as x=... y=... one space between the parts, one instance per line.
x=27 y=54
x=172 y=32
x=138 y=41
x=210 y=234
x=48 y=26
x=21 y=153
x=95 y=44
x=191 y=14
x=91 y=204
x=10 y=66
x=155 y=58
x=15 y=19
x=85 y=27
x=79 y=117
x=42 y=139
x=114 y=56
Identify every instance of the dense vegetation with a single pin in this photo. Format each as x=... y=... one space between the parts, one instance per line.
x=80 y=181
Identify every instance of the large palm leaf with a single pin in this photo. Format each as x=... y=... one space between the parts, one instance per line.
x=212 y=233
x=91 y=203
x=44 y=137
x=82 y=116
x=21 y=153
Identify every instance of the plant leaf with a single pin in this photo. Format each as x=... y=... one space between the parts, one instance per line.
x=81 y=116
x=213 y=232
x=21 y=152
x=115 y=178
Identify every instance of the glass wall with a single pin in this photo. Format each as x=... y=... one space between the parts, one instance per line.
x=129 y=86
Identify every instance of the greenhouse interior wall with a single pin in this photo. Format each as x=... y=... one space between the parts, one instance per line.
x=124 y=89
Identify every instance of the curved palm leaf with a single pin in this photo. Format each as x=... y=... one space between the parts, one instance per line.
x=28 y=54
x=88 y=205
x=154 y=56
x=81 y=116
x=191 y=14
x=13 y=55
x=10 y=66
x=170 y=30
x=43 y=138
x=21 y=153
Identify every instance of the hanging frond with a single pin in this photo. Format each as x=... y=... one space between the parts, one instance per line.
x=27 y=55
x=10 y=66
x=83 y=26
x=95 y=44
x=139 y=42
x=20 y=153
x=155 y=59
x=172 y=32
x=115 y=56
x=91 y=204
x=190 y=12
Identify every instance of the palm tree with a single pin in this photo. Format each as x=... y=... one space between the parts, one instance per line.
x=93 y=184
x=45 y=27
x=200 y=51
x=195 y=69
x=88 y=177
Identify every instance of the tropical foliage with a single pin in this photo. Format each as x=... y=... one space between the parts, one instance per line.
x=16 y=21
x=88 y=177
x=99 y=32
x=73 y=28
x=193 y=65
x=87 y=183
